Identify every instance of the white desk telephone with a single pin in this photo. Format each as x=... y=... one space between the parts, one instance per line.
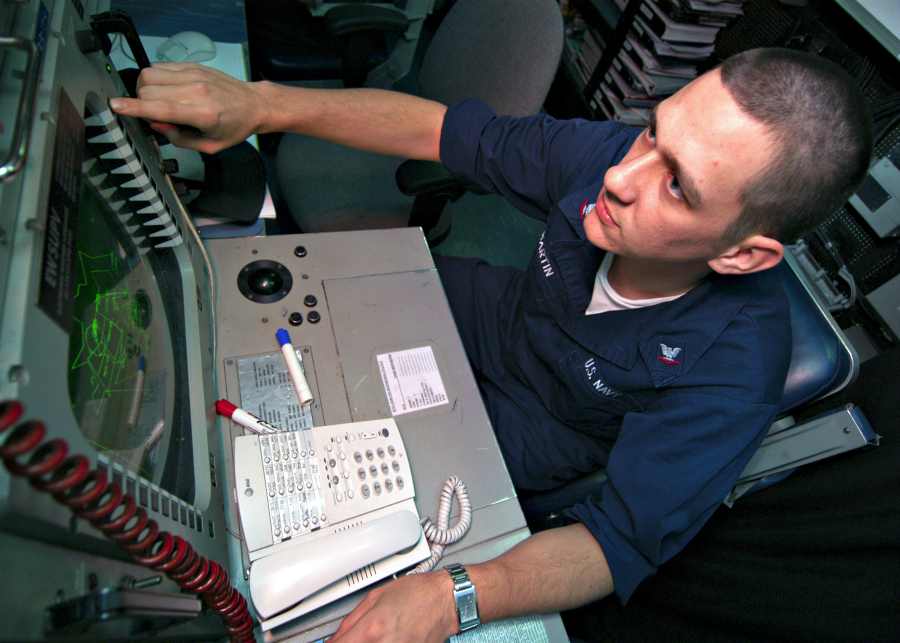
x=325 y=511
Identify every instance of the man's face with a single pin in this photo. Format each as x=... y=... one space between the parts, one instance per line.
x=677 y=190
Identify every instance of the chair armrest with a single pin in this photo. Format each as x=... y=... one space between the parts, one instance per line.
x=419 y=177
x=428 y=177
x=538 y=503
x=348 y=19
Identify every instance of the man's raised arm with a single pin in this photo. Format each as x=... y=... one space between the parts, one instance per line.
x=224 y=111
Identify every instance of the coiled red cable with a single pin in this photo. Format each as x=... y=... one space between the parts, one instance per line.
x=88 y=494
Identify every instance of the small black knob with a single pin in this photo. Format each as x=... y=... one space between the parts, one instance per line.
x=87 y=41
x=300 y=251
x=310 y=300
x=314 y=317
x=295 y=319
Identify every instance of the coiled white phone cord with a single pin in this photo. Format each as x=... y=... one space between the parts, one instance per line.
x=438 y=535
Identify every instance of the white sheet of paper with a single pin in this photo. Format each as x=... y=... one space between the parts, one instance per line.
x=411 y=380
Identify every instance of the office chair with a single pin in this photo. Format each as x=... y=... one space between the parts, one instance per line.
x=353 y=41
x=505 y=52
x=822 y=363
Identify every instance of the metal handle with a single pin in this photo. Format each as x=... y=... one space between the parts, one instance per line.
x=22 y=129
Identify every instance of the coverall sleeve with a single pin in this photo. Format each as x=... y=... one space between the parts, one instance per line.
x=533 y=161
x=671 y=467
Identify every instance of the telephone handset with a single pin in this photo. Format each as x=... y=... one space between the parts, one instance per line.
x=324 y=512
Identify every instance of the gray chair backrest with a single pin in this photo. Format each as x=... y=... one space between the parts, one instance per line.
x=504 y=52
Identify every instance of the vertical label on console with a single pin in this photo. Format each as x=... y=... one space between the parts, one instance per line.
x=411 y=380
x=57 y=288
x=267 y=392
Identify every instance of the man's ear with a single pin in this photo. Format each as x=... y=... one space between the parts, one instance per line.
x=753 y=254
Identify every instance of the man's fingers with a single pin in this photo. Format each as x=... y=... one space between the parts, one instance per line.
x=155 y=111
x=164 y=128
x=180 y=137
x=353 y=617
x=173 y=73
x=151 y=111
x=176 y=136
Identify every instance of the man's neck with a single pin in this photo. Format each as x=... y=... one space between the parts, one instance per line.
x=641 y=279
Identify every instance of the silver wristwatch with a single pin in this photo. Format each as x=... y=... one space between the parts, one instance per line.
x=465 y=597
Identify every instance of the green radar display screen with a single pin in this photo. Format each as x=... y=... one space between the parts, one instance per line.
x=121 y=359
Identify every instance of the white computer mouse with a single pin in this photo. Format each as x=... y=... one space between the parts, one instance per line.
x=186 y=47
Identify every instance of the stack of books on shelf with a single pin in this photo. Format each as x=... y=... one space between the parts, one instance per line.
x=666 y=42
x=584 y=45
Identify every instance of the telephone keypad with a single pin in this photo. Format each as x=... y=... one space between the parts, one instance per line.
x=375 y=470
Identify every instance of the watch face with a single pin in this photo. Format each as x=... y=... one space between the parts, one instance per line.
x=467 y=609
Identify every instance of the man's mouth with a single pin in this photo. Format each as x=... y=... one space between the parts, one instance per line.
x=603 y=211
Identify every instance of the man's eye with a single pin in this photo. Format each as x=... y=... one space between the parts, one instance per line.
x=651 y=134
x=675 y=187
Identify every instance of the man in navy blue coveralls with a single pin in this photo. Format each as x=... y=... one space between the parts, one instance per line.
x=647 y=334
x=697 y=379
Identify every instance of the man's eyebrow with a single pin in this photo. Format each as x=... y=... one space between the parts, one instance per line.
x=688 y=185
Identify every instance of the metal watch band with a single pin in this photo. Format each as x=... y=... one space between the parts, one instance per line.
x=465 y=597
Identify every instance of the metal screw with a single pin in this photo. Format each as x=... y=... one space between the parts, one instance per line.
x=147 y=582
x=18 y=375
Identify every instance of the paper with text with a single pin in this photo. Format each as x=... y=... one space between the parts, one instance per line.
x=411 y=380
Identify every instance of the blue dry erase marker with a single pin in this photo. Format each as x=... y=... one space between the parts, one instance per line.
x=294 y=369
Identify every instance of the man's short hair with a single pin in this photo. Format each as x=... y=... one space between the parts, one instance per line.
x=822 y=122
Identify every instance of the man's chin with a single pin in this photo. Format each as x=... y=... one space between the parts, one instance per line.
x=595 y=232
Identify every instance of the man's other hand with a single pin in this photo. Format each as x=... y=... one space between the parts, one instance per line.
x=416 y=608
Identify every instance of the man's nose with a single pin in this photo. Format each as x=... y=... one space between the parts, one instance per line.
x=624 y=181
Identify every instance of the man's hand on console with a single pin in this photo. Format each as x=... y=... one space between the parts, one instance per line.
x=222 y=110
x=416 y=608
